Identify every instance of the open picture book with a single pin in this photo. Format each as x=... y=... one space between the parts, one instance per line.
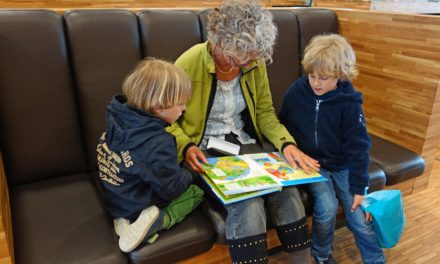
x=236 y=178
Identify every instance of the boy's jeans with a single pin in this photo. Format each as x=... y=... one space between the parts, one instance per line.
x=325 y=206
x=248 y=218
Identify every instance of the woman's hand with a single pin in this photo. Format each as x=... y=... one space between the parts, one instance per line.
x=296 y=157
x=193 y=157
x=357 y=201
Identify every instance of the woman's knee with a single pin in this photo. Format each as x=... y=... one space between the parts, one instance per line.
x=254 y=206
x=289 y=195
x=286 y=206
x=245 y=218
x=296 y=201
x=292 y=192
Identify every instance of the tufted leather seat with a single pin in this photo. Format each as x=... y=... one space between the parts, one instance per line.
x=58 y=73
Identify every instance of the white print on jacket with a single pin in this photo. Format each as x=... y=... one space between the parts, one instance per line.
x=108 y=162
x=362 y=119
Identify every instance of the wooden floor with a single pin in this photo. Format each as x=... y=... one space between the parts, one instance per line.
x=421 y=241
x=419 y=244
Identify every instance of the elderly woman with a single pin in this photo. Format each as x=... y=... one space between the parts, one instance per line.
x=231 y=100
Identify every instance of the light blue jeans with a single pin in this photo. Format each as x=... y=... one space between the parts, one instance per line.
x=248 y=218
x=325 y=205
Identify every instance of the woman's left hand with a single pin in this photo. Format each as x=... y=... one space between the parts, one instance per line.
x=296 y=157
x=357 y=201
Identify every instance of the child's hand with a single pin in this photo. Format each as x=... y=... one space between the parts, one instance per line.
x=296 y=157
x=193 y=156
x=357 y=201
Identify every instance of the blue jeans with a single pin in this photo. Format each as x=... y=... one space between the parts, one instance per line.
x=248 y=218
x=325 y=205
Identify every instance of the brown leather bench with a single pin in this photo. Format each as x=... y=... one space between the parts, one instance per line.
x=57 y=74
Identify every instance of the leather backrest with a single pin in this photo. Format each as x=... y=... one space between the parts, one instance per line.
x=105 y=46
x=314 y=21
x=39 y=128
x=166 y=34
x=285 y=67
x=203 y=17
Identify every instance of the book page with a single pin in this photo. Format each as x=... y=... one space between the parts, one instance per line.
x=235 y=178
x=274 y=164
x=228 y=199
x=237 y=174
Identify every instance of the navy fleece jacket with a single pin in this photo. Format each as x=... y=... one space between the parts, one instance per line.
x=137 y=160
x=330 y=128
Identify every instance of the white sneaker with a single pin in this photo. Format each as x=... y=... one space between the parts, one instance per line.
x=133 y=234
x=120 y=224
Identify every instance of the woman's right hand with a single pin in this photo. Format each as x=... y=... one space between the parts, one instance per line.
x=193 y=157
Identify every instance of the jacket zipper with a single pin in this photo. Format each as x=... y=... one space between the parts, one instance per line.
x=318 y=102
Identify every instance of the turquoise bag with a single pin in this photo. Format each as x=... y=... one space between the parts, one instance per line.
x=386 y=207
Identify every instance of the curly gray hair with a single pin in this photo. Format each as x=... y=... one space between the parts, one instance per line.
x=242 y=26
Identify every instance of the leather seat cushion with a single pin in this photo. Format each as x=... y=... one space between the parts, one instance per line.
x=377 y=178
x=398 y=163
x=62 y=220
x=191 y=237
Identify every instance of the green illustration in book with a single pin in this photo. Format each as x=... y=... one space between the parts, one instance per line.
x=235 y=178
x=234 y=174
x=227 y=168
x=253 y=183
x=274 y=164
x=228 y=199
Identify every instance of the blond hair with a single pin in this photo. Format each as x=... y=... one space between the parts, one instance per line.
x=156 y=84
x=330 y=55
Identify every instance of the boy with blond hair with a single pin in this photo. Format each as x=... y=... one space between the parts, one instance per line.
x=144 y=188
x=324 y=114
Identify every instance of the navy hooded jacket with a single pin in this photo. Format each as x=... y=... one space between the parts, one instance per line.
x=330 y=128
x=137 y=161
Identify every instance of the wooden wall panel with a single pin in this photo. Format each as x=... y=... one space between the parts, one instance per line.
x=56 y=4
x=399 y=65
x=6 y=240
x=106 y=3
x=438 y=151
x=286 y=3
x=430 y=147
x=354 y=4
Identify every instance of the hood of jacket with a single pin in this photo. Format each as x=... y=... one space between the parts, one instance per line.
x=125 y=122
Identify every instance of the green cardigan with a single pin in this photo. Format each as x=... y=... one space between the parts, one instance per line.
x=190 y=127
